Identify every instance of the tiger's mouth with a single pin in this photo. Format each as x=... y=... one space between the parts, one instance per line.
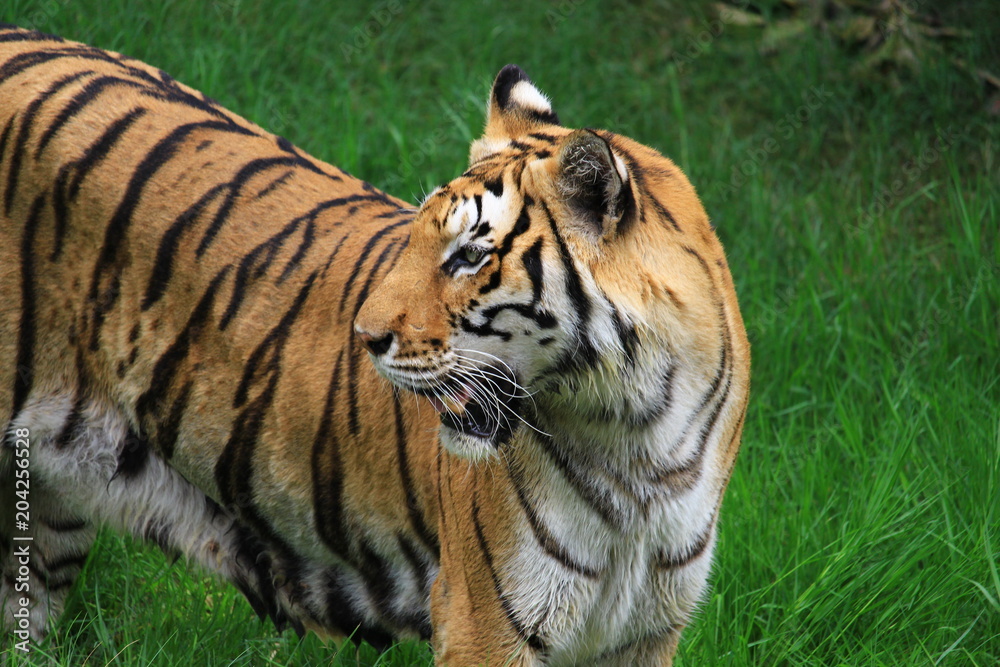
x=485 y=406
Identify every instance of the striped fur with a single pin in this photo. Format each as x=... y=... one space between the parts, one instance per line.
x=176 y=335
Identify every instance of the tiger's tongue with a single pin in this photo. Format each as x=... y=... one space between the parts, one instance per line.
x=453 y=404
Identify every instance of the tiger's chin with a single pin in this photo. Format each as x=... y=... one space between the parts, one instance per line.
x=465 y=446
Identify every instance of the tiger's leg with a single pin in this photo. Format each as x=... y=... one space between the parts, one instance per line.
x=108 y=476
x=649 y=652
x=42 y=551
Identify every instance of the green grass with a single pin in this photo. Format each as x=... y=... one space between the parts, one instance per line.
x=862 y=524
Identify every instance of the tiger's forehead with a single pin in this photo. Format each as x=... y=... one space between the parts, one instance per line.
x=477 y=208
x=475 y=198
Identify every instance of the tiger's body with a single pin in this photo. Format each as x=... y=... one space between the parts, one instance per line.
x=181 y=292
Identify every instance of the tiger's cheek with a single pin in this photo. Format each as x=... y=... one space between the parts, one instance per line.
x=508 y=319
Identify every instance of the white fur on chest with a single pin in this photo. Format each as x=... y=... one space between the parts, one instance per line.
x=606 y=588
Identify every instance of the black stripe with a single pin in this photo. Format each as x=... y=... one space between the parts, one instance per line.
x=168 y=364
x=414 y=557
x=24 y=61
x=255 y=263
x=234 y=470
x=522 y=225
x=533 y=265
x=627 y=336
x=62 y=562
x=73 y=425
x=335 y=252
x=495 y=185
x=266 y=358
x=394 y=213
x=327 y=475
x=158 y=531
x=60 y=585
x=484 y=330
x=353 y=418
x=574 y=285
x=20 y=34
x=67 y=190
x=662 y=210
x=5 y=137
x=674 y=560
x=686 y=474
x=27 y=120
x=543 y=136
x=79 y=102
x=163 y=264
x=412 y=503
x=546 y=540
x=342 y=614
x=478 y=199
x=583 y=349
x=133 y=456
x=530 y=638
x=252 y=558
x=375 y=193
x=64 y=525
x=400 y=247
x=274 y=184
x=416 y=617
x=638 y=174
x=308 y=236
x=600 y=500
x=97 y=151
x=646 y=418
x=155 y=86
x=726 y=342
x=532 y=261
x=379 y=580
x=167 y=434
x=252 y=268
x=24 y=371
x=109 y=262
x=235 y=185
x=543 y=318
x=549 y=117
x=33 y=569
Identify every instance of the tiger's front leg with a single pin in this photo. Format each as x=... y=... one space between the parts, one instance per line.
x=657 y=651
x=500 y=600
x=469 y=632
x=474 y=622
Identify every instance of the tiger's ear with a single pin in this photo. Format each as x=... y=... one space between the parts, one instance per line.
x=593 y=183
x=516 y=108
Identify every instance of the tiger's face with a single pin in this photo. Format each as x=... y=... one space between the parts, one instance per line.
x=465 y=318
x=497 y=296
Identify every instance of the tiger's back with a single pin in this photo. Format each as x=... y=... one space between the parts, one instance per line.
x=179 y=288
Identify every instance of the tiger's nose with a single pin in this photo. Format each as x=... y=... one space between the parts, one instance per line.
x=376 y=343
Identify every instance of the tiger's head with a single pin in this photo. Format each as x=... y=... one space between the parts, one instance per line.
x=540 y=277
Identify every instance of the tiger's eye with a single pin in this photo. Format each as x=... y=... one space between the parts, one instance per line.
x=472 y=255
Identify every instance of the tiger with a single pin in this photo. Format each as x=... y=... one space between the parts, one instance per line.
x=502 y=421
